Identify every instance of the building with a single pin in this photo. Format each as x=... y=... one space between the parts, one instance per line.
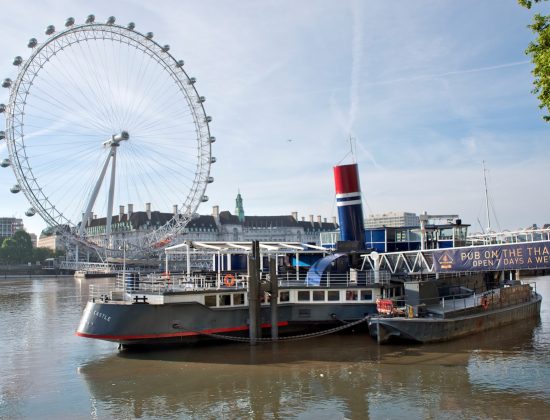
x=8 y=226
x=392 y=219
x=217 y=226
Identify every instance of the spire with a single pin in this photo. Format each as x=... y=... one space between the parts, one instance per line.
x=239 y=211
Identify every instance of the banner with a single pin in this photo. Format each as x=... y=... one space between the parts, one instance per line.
x=493 y=257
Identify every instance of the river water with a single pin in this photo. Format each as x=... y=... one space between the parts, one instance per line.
x=48 y=372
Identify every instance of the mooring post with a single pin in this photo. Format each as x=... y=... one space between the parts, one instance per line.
x=274 y=298
x=254 y=327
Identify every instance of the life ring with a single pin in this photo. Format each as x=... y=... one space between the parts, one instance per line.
x=229 y=280
x=485 y=303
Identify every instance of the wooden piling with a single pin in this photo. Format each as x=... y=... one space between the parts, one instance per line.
x=274 y=298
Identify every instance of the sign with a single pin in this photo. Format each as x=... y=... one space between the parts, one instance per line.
x=493 y=257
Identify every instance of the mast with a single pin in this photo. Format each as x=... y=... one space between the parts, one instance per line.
x=486 y=197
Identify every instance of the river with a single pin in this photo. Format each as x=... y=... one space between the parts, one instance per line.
x=48 y=372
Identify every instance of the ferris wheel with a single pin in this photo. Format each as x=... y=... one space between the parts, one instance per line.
x=102 y=115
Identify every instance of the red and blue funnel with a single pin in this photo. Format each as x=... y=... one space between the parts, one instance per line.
x=348 y=200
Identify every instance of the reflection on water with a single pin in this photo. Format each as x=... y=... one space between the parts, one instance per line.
x=48 y=372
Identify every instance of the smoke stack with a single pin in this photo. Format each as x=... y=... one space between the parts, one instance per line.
x=130 y=210
x=319 y=219
x=348 y=200
x=311 y=218
x=324 y=219
x=120 y=213
x=148 y=210
x=295 y=215
x=334 y=220
x=303 y=219
x=175 y=209
x=216 y=212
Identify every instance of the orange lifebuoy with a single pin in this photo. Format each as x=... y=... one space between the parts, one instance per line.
x=485 y=302
x=229 y=280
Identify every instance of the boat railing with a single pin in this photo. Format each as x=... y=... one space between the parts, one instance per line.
x=128 y=284
x=469 y=301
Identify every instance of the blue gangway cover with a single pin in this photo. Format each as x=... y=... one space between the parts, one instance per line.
x=318 y=268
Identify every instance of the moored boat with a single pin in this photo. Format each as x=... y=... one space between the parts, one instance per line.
x=450 y=317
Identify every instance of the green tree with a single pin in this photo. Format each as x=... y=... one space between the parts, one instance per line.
x=539 y=50
x=40 y=254
x=17 y=249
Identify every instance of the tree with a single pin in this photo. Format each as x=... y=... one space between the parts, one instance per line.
x=17 y=249
x=539 y=50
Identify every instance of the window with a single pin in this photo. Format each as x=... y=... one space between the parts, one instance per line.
x=303 y=295
x=318 y=295
x=351 y=295
x=366 y=294
x=210 y=300
x=284 y=296
x=238 y=299
x=333 y=295
x=224 y=300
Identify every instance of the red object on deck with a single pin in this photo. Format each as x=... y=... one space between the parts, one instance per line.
x=384 y=306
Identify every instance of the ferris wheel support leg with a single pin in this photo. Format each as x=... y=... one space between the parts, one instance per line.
x=91 y=203
x=109 y=220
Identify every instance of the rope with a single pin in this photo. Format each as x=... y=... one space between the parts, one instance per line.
x=272 y=340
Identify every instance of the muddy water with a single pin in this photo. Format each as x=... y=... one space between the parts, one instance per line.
x=48 y=372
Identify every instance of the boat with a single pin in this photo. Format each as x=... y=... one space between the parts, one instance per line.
x=252 y=291
x=262 y=291
x=462 y=313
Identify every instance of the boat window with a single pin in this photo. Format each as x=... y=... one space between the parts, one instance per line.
x=224 y=300
x=210 y=300
x=351 y=295
x=238 y=299
x=333 y=295
x=284 y=297
x=318 y=295
x=303 y=295
x=366 y=294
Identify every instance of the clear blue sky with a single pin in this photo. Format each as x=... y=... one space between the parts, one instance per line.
x=429 y=89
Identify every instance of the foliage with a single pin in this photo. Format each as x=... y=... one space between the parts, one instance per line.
x=539 y=50
x=18 y=250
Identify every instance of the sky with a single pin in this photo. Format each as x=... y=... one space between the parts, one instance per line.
x=426 y=90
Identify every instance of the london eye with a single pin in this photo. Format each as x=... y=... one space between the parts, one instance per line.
x=101 y=115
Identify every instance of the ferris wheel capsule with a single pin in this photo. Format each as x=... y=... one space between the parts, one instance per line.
x=69 y=22
x=2 y=135
x=15 y=189
x=149 y=35
x=17 y=61
x=210 y=179
x=30 y=212
x=2 y=108
x=90 y=19
x=213 y=159
x=5 y=163
x=165 y=48
x=204 y=198
x=201 y=99
x=191 y=81
x=208 y=119
x=32 y=43
x=111 y=20
x=212 y=139
x=179 y=63
x=131 y=26
x=50 y=29
x=6 y=83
